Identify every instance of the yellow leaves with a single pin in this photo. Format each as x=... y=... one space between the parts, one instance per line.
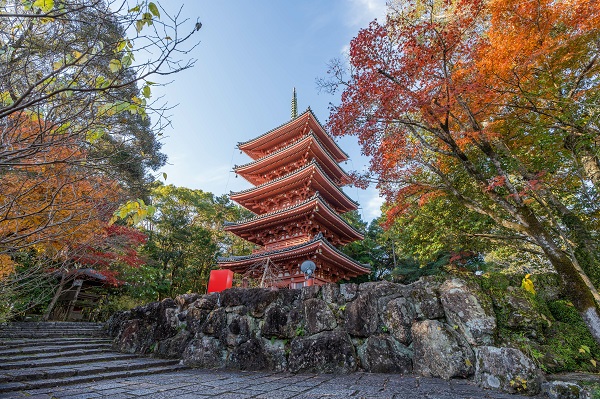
x=44 y=5
x=584 y=349
x=527 y=284
x=6 y=99
x=114 y=65
x=133 y=212
x=468 y=363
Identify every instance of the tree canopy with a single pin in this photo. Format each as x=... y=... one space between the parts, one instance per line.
x=493 y=105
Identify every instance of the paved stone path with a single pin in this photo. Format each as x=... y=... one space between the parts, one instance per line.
x=195 y=383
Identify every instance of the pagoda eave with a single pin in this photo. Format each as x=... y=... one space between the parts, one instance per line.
x=313 y=211
x=294 y=156
x=256 y=147
x=318 y=250
x=307 y=180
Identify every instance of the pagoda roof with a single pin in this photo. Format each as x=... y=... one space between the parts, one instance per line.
x=318 y=178
x=313 y=206
x=328 y=252
x=254 y=171
x=289 y=129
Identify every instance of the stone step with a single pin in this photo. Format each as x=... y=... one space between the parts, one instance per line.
x=27 y=342
x=64 y=360
x=49 y=355
x=89 y=369
x=49 y=349
x=51 y=324
x=50 y=334
x=58 y=382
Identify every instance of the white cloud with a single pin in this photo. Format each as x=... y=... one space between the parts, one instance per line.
x=372 y=206
x=361 y=12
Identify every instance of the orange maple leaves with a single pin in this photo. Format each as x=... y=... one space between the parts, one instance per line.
x=49 y=199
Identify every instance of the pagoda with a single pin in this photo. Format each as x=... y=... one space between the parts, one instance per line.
x=297 y=201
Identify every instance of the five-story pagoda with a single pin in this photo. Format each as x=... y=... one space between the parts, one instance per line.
x=297 y=200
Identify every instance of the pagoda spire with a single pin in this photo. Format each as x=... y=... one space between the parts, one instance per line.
x=294 y=105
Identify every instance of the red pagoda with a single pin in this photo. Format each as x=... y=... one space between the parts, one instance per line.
x=297 y=200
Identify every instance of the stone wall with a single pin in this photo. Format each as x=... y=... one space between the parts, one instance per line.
x=431 y=328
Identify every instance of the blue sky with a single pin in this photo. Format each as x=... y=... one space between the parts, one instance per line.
x=250 y=56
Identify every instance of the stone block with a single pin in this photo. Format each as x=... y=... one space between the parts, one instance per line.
x=207 y=352
x=318 y=316
x=399 y=316
x=439 y=351
x=384 y=354
x=468 y=308
x=326 y=352
x=507 y=369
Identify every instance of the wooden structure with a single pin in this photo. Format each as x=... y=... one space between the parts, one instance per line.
x=297 y=200
x=79 y=293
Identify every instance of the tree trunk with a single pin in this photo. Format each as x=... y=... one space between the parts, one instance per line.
x=576 y=288
x=59 y=290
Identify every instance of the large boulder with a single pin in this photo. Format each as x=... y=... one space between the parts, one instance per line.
x=173 y=347
x=206 y=352
x=384 y=354
x=280 y=322
x=318 y=316
x=326 y=352
x=470 y=310
x=399 y=316
x=166 y=323
x=239 y=329
x=249 y=356
x=439 y=351
x=198 y=311
x=215 y=322
x=507 y=369
x=424 y=294
x=348 y=291
x=331 y=293
x=361 y=317
x=116 y=323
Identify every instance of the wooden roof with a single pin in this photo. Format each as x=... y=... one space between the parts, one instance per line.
x=299 y=126
x=300 y=252
x=308 y=146
x=312 y=174
x=322 y=212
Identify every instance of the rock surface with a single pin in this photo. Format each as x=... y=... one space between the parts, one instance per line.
x=468 y=308
x=428 y=327
x=326 y=352
x=507 y=369
x=439 y=351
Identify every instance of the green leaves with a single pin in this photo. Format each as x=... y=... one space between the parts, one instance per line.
x=154 y=10
x=94 y=135
x=133 y=212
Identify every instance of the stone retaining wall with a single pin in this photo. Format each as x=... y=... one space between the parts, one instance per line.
x=432 y=328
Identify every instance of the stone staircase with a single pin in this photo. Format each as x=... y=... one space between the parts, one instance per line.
x=43 y=355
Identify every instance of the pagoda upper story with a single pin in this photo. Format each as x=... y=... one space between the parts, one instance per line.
x=297 y=199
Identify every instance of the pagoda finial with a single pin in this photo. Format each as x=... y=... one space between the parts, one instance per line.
x=294 y=105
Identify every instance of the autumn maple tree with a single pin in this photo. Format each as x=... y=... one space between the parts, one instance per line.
x=494 y=105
